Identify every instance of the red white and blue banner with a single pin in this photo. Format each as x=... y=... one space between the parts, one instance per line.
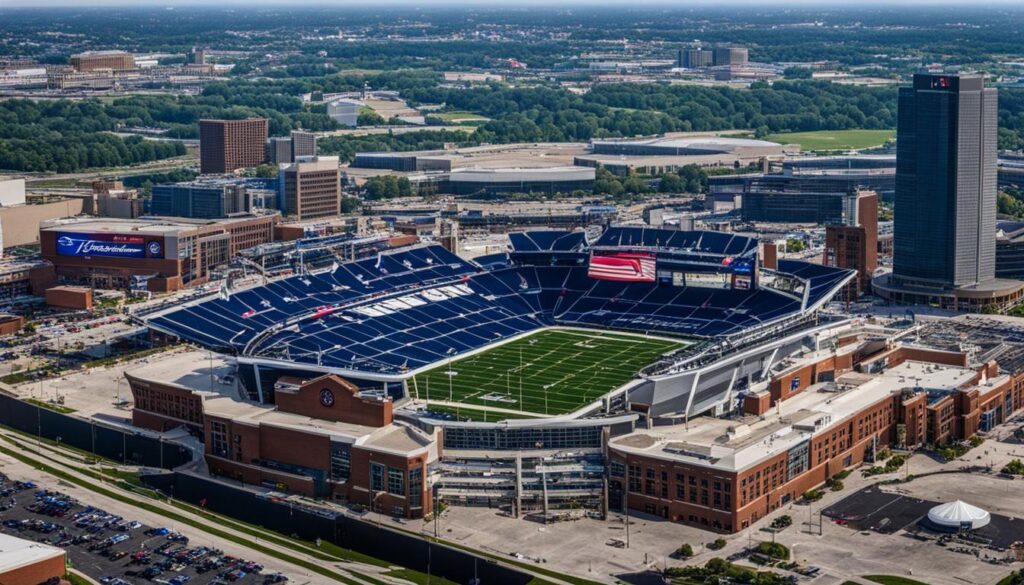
x=623 y=267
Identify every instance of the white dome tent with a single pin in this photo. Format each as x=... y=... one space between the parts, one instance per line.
x=958 y=515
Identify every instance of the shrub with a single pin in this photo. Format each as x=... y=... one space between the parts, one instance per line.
x=1015 y=467
x=784 y=521
x=837 y=485
x=775 y=550
x=684 y=552
x=718 y=544
x=894 y=463
x=975 y=441
x=813 y=495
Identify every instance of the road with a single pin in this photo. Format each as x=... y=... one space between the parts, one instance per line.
x=68 y=462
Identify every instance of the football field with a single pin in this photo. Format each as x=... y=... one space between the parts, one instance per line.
x=550 y=372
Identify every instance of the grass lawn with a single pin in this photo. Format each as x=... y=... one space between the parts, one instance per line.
x=892 y=580
x=835 y=139
x=550 y=372
x=461 y=117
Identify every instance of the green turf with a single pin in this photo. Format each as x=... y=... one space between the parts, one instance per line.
x=835 y=139
x=554 y=371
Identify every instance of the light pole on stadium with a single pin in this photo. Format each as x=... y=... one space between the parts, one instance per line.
x=451 y=351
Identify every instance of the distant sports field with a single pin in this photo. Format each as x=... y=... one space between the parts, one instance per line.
x=835 y=139
x=553 y=371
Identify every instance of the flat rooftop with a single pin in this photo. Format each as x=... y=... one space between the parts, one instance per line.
x=16 y=553
x=146 y=225
x=394 y=438
x=736 y=444
x=193 y=370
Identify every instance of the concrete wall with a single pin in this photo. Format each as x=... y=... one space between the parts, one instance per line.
x=20 y=224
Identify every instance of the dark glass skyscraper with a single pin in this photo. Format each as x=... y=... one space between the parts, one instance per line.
x=945 y=183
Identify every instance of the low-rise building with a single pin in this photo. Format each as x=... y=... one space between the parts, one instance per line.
x=818 y=415
x=159 y=254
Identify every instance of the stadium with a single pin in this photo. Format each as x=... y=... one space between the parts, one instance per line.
x=558 y=327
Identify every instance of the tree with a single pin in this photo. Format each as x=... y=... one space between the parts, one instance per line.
x=671 y=183
x=685 y=551
x=266 y=171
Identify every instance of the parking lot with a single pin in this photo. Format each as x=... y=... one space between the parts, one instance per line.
x=116 y=550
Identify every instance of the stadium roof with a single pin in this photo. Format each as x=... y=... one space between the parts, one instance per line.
x=709 y=143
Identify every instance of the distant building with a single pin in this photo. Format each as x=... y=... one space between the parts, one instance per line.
x=282 y=150
x=279 y=150
x=12 y=192
x=695 y=58
x=70 y=79
x=731 y=56
x=111 y=199
x=854 y=243
x=552 y=180
x=196 y=56
x=345 y=111
x=227 y=145
x=945 y=216
x=97 y=60
x=202 y=199
x=303 y=144
x=310 y=188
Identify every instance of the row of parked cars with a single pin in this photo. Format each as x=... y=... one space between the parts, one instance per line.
x=133 y=552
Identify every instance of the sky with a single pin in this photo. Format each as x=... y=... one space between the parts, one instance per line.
x=494 y=3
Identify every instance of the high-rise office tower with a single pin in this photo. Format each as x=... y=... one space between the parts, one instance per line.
x=944 y=234
x=279 y=151
x=310 y=188
x=303 y=144
x=226 y=145
x=945 y=224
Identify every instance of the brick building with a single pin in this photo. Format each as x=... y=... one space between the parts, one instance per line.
x=854 y=244
x=101 y=60
x=323 y=437
x=24 y=562
x=814 y=418
x=226 y=145
x=310 y=188
x=161 y=254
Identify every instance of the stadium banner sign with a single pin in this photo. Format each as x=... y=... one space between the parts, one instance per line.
x=623 y=267
x=111 y=245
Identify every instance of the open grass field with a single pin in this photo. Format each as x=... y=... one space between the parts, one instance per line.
x=548 y=373
x=835 y=139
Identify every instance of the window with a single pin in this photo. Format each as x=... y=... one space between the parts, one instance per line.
x=396 y=481
x=341 y=462
x=634 y=478
x=617 y=469
x=219 y=438
x=376 y=477
x=416 y=487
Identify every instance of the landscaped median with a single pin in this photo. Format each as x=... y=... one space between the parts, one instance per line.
x=73 y=479
x=326 y=551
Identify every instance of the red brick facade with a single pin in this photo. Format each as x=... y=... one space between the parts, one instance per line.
x=728 y=501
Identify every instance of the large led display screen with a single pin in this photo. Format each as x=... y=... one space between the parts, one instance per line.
x=110 y=245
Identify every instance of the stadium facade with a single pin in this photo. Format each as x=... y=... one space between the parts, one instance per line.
x=385 y=326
